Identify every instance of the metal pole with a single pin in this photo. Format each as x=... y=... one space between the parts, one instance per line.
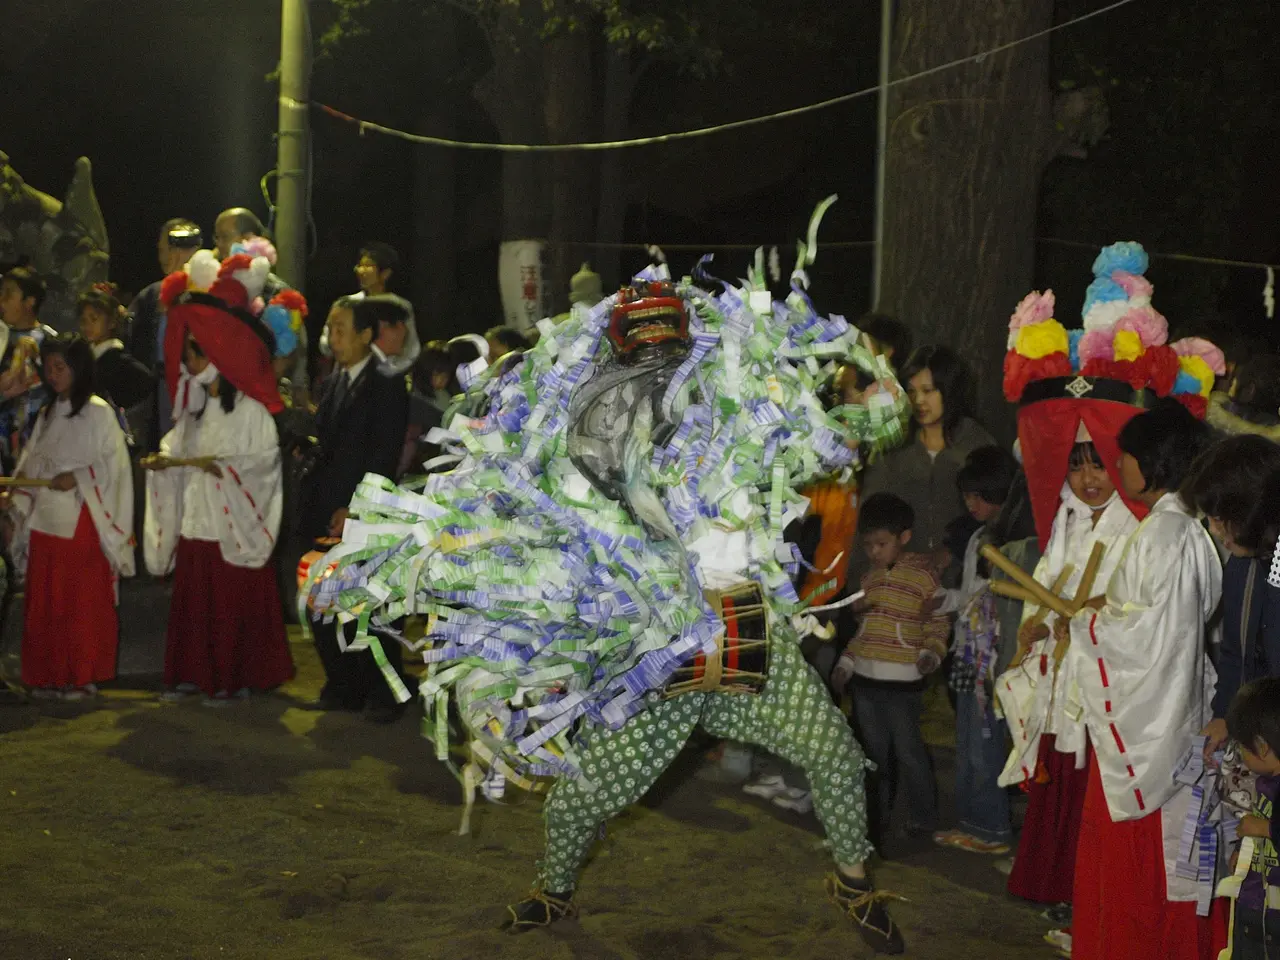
x=293 y=143
x=882 y=136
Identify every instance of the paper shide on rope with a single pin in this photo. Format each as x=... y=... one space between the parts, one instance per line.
x=642 y=450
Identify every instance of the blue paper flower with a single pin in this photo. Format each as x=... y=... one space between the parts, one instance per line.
x=276 y=318
x=1186 y=383
x=1128 y=256
x=1073 y=339
x=1102 y=290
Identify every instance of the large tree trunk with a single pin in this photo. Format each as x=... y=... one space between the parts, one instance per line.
x=510 y=93
x=965 y=153
x=568 y=111
x=611 y=209
x=435 y=170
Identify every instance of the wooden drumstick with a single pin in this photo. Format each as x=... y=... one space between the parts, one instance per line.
x=1082 y=594
x=1015 y=573
x=1039 y=616
x=1011 y=591
x=1090 y=574
x=24 y=482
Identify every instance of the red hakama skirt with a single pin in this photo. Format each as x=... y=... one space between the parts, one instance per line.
x=1121 y=910
x=1045 y=864
x=226 y=628
x=70 y=630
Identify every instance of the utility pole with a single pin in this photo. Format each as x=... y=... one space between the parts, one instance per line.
x=882 y=130
x=293 y=143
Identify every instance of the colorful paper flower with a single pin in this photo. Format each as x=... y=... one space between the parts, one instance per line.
x=1095 y=345
x=1149 y=324
x=1162 y=369
x=1127 y=345
x=1020 y=371
x=1073 y=339
x=1102 y=290
x=1199 y=347
x=1036 y=307
x=1127 y=255
x=1105 y=314
x=1042 y=339
x=1186 y=383
x=1135 y=286
x=1198 y=405
x=1195 y=366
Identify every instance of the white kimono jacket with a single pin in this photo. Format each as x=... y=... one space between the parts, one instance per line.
x=1036 y=703
x=241 y=510
x=1144 y=677
x=91 y=446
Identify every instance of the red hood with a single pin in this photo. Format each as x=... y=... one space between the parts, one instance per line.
x=1047 y=432
x=228 y=341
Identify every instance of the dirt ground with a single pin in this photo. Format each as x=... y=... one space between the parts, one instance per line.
x=140 y=830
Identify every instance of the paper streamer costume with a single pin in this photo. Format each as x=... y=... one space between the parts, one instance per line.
x=616 y=489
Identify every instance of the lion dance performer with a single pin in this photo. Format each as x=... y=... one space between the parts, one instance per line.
x=1077 y=390
x=605 y=568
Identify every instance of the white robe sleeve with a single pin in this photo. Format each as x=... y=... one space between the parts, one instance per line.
x=22 y=503
x=250 y=491
x=106 y=486
x=1140 y=661
x=163 y=523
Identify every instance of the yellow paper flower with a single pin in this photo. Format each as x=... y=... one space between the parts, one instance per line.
x=1038 y=340
x=1128 y=345
x=1195 y=366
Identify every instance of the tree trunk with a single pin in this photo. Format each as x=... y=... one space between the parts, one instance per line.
x=435 y=170
x=611 y=209
x=568 y=111
x=510 y=93
x=965 y=153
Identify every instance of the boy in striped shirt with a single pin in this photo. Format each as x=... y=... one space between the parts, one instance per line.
x=901 y=640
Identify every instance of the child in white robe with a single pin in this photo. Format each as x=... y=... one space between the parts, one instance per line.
x=1139 y=658
x=217 y=523
x=74 y=536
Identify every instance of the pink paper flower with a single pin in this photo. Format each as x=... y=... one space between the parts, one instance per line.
x=1036 y=307
x=1096 y=345
x=1206 y=351
x=1133 y=284
x=1148 y=323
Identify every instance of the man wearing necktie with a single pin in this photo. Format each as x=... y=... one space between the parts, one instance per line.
x=360 y=428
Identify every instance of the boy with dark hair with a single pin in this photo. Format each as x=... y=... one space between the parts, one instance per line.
x=1254 y=722
x=22 y=391
x=982 y=807
x=901 y=640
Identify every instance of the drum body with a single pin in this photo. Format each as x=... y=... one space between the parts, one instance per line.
x=310 y=559
x=741 y=661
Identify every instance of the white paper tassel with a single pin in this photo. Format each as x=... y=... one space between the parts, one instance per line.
x=1269 y=294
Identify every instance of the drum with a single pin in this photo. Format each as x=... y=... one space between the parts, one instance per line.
x=309 y=560
x=741 y=661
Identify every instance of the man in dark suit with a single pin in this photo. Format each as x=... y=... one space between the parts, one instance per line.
x=360 y=428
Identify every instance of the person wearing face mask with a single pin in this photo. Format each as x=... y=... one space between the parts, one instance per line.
x=1048 y=740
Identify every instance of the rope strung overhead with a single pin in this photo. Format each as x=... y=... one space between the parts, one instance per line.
x=368 y=126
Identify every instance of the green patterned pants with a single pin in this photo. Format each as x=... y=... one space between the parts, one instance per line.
x=792 y=718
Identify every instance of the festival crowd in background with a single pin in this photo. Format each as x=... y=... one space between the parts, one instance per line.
x=221 y=456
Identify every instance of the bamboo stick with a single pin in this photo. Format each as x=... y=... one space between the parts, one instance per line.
x=1082 y=595
x=1011 y=591
x=1039 y=617
x=24 y=482
x=1015 y=573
